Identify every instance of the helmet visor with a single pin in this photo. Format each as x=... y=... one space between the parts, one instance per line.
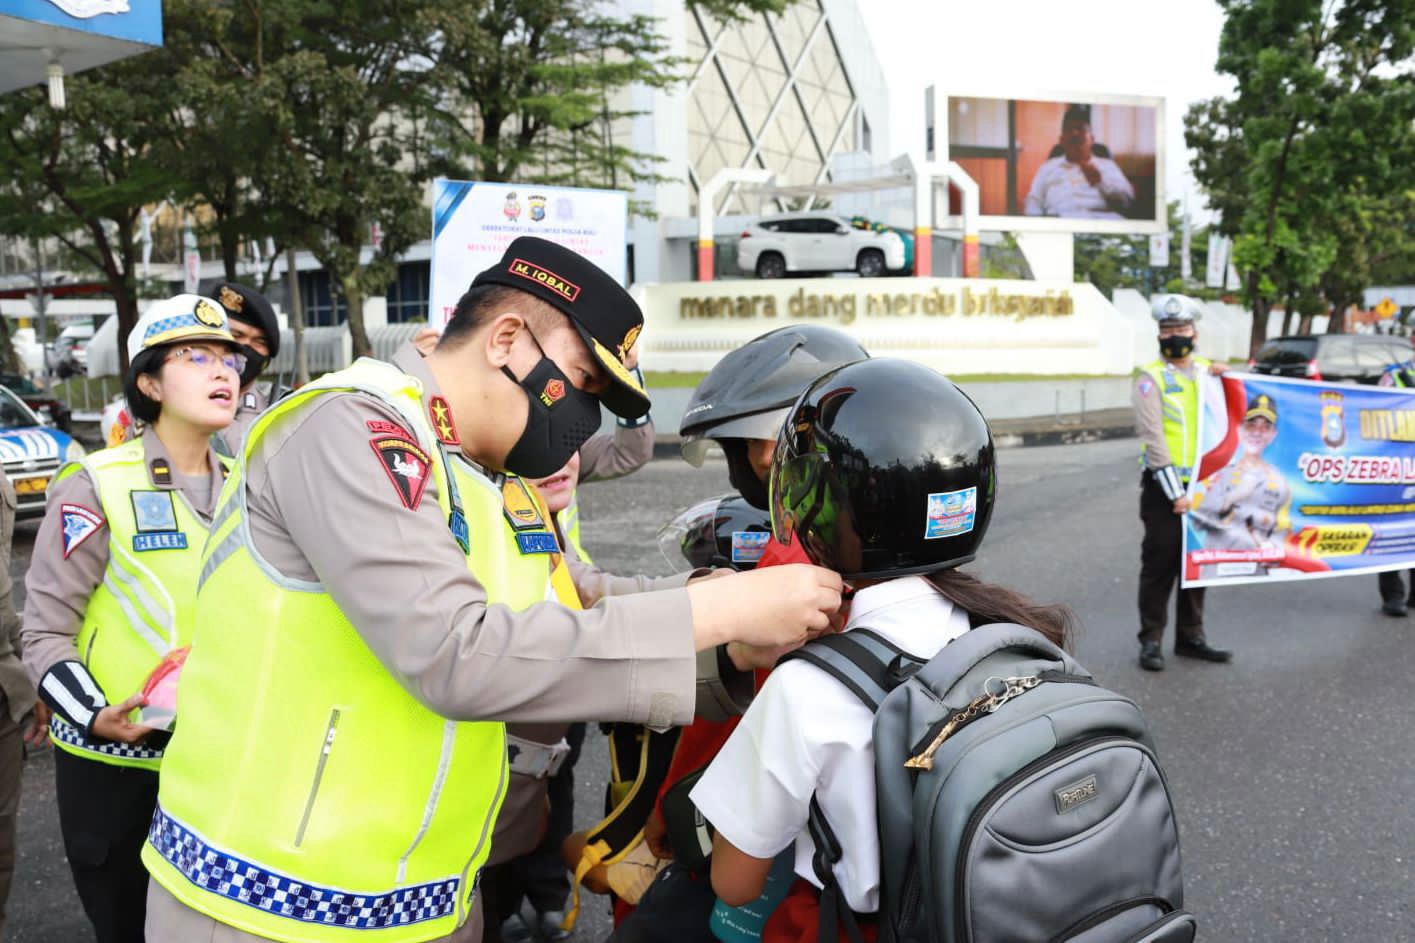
x=765 y=425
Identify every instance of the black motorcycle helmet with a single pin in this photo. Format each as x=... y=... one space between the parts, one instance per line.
x=748 y=393
x=885 y=468
x=725 y=531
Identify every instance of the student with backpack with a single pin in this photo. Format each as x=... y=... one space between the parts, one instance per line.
x=944 y=771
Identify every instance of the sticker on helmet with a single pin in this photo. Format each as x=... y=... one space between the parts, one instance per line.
x=748 y=545
x=951 y=513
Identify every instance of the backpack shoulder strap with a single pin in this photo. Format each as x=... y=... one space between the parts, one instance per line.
x=868 y=664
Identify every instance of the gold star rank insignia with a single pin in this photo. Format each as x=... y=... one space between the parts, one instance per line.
x=442 y=423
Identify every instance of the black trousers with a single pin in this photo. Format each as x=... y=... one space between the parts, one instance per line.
x=1160 y=563
x=539 y=876
x=104 y=814
x=1393 y=589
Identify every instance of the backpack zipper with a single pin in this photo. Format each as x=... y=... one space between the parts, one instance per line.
x=1108 y=911
x=985 y=703
x=960 y=918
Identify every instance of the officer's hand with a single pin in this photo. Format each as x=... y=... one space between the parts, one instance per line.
x=1092 y=172
x=112 y=722
x=36 y=733
x=773 y=607
x=656 y=835
x=1182 y=505
x=1218 y=369
x=746 y=657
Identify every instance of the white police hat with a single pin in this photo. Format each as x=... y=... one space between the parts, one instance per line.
x=181 y=318
x=1176 y=308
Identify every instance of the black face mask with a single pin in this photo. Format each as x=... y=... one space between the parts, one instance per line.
x=1176 y=346
x=255 y=364
x=561 y=418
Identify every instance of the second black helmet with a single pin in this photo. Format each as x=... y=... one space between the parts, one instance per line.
x=884 y=469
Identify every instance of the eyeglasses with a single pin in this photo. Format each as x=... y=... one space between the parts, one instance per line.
x=203 y=357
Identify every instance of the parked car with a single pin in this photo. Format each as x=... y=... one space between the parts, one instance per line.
x=51 y=411
x=817 y=242
x=31 y=453
x=1353 y=358
x=68 y=357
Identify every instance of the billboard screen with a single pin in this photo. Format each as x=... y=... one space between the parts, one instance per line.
x=1084 y=164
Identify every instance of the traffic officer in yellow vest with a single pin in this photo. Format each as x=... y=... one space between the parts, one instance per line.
x=257 y=330
x=361 y=607
x=1166 y=399
x=111 y=589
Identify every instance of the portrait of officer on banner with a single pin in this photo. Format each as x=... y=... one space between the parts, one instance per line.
x=1246 y=505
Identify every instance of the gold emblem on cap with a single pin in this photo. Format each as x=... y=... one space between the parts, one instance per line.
x=207 y=314
x=231 y=300
x=615 y=367
x=628 y=343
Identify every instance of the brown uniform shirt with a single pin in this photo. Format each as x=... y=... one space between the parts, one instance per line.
x=607 y=456
x=323 y=508
x=58 y=588
x=1149 y=416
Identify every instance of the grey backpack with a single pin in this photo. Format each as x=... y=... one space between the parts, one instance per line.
x=1018 y=800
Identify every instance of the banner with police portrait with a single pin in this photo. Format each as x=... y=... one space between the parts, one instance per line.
x=1299 y=480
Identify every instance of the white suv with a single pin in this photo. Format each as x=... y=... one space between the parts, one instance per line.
x=817 y=242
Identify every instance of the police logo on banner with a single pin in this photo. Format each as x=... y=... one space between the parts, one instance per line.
x=79 y=525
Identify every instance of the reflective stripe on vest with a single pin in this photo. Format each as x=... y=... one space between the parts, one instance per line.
x=1179 y=405
x=339 y=804
x=144 y=607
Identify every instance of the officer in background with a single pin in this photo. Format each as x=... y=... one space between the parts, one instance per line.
x=344 y=541
x=23 y=720
x=257 y=332
x=1394 y=601
x=1166 y=399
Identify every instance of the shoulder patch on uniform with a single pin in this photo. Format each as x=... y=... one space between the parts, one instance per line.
x=407 y=466
x=1145 y=385
x=161 y=472
x=442 y=424
x=80 y=524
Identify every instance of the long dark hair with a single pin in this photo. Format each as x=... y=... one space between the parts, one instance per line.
x=986 y=602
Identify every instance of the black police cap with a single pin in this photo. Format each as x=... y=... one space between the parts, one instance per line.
x=245 y=304
x=606 y=316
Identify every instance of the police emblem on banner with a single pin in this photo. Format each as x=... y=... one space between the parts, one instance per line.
x=1333 y=420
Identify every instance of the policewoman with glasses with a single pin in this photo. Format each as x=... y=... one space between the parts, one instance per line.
x=111 y=590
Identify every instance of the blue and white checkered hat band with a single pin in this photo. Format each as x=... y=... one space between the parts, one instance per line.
x=64 y=732
x=179 y=318
x=219 y=872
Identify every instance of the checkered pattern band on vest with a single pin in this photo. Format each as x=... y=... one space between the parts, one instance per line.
x=65 y=732
x=220 y=873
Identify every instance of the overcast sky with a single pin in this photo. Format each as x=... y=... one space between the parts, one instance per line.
x=1159 y=48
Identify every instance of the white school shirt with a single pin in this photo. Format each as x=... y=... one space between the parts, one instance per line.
x=805 y=734
x=1060 y=188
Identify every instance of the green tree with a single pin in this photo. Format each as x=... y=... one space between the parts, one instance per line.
x=82 y=175
x=1319 y=128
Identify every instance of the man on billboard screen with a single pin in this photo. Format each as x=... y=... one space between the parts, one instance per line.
x=1081 y=181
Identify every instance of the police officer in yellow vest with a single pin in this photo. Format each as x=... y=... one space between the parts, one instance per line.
x=365 y=616
x=1166 y=399
x=111 y=590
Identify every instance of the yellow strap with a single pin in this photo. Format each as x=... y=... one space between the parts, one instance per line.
x=591 y=858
